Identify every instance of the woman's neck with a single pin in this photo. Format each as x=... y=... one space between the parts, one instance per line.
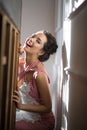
x=30 y=60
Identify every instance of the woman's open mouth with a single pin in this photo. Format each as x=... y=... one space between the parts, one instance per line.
x=28 y=45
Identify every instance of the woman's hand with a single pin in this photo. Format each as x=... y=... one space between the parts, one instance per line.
x=20 y=49
x=17 y=98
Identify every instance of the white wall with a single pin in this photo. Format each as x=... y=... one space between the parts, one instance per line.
x=37 y=15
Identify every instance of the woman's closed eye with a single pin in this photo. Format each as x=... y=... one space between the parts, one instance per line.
x=38 y=40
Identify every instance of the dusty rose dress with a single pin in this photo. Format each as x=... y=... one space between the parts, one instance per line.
x=31 y=120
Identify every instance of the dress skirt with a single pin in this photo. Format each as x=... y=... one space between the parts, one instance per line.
x=45 y=123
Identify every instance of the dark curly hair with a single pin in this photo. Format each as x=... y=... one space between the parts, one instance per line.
x=50 y=47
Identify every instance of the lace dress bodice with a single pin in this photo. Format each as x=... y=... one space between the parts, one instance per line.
x=26 y=97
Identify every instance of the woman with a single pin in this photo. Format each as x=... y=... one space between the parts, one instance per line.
x=32 y=97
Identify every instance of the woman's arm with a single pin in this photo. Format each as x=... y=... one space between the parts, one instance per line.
x=43 y=88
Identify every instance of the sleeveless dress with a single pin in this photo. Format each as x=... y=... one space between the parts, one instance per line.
x=31 y=120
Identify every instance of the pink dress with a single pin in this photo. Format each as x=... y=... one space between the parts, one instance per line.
x=31 y=120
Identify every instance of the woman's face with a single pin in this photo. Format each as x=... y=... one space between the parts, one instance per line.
x=35 y=44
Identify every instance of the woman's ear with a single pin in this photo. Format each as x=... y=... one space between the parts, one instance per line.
x=41 y=53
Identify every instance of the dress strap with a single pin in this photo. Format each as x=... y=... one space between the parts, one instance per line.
x=27 y=69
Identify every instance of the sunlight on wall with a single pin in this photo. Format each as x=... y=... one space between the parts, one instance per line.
x=66 y=94
x=67 y=38
x=77 y=4
x=67 y=42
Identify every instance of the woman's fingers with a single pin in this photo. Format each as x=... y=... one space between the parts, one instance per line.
x=20 y=49
x=16 y=97
x=17 y=93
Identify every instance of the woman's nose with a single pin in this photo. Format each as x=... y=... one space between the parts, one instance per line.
x=30 y=41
